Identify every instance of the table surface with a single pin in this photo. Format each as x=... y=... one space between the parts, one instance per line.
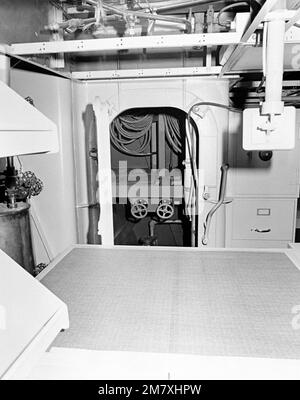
x=211 y=303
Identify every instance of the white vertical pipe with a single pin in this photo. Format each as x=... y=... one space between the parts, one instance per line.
x=274 y=48
x=105 y=192
x=274 y=67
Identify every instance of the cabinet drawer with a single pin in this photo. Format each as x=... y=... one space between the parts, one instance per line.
x=263 y=219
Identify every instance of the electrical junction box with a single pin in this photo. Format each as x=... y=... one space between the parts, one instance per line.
x=260 y=134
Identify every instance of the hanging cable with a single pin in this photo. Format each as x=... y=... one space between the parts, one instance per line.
x=189 y=133
x=172 y=132
x=169 y=137
x=128 y=130
x=229 y=7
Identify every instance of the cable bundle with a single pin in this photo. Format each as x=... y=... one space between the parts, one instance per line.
x=128 y=131
x=172 y=132
x=131 y=134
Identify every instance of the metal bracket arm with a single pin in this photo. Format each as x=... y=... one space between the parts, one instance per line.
x=221 y=201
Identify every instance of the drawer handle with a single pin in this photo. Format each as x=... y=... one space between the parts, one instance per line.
x=261 y=230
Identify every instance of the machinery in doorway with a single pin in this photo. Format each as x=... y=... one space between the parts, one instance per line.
x=149 y=159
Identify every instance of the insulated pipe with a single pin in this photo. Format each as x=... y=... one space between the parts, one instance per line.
x=273 y=103
x=149 y=16
x=77 y=22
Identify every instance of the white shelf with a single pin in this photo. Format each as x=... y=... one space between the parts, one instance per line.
x=30 y=319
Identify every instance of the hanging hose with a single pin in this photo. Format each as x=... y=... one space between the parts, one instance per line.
x=172 y=132
x=132 y=130
x=128 y=130
x=149 y=10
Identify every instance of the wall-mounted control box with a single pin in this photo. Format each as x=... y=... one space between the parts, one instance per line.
x=262 y=133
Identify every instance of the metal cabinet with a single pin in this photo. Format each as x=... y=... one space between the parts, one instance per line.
x=270 y=222
x=263 y=212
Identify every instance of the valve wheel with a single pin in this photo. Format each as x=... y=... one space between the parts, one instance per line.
x=139 y=209
x=165 y=211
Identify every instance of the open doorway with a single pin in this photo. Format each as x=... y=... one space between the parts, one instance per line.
x=152 y=187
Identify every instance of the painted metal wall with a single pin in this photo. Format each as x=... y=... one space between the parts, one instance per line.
x=23 y=21
x=53 y=211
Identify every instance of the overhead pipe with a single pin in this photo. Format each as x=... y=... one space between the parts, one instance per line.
x=273 y=60
x=76 y=23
